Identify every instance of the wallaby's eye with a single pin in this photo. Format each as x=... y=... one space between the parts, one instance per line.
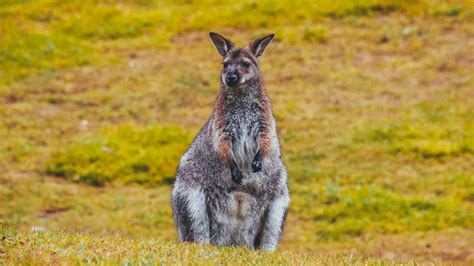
x=246 y=64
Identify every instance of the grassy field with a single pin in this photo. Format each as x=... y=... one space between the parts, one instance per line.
x=47 y=249
x=373 y=99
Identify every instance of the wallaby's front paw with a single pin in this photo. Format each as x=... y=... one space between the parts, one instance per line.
x=256 y=165
x=236 y=175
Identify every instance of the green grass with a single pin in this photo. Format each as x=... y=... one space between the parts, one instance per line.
x=428 y=130
x=126 y=154
x=340 y=211
x=43 y=35
x=51 y=248
x=373 y=100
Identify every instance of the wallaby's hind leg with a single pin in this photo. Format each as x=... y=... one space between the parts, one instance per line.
x=272 y=227
x=182 y=219
x=190 y=215
x=274 y=218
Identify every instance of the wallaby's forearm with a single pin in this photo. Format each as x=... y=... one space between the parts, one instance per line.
x=225 y=152
x=264 y=142
x=264 y=150
x=225 y=149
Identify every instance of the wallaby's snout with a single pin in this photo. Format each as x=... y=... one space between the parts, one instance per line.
x=238 y=68
x=231 y=78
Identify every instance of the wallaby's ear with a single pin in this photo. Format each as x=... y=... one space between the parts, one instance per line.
x=222 y=44
x=258 y=46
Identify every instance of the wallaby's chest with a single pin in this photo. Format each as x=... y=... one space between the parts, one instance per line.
x=244 y=125
x=243 y=115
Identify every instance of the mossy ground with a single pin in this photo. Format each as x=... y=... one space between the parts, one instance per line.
x=373 y=101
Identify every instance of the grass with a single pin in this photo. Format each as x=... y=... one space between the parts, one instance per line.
x=373 y=101
x=419 y=131
x=143 y=156
x=46 y=35
x=51 y=248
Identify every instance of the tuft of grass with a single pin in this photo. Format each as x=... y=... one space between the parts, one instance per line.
x=24 y=53
x=108 y=22
x=123 y=154
x=318 y=34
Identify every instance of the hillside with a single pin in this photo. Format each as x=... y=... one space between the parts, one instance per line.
x=373 y=101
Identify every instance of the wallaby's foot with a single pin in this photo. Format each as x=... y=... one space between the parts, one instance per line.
x=257 y=163
x=235 y=173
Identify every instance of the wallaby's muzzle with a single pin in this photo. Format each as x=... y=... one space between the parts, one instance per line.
x=231 y=79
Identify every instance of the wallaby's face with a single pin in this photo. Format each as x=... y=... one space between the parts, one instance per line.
x=239 y=65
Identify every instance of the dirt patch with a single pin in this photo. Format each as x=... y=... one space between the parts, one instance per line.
x=52 y=211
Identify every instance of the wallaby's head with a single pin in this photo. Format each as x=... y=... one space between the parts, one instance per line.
x=240 y=65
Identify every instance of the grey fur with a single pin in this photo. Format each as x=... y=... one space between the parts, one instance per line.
x=208 y=207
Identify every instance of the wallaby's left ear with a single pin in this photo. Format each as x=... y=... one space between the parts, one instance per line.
x=222 y=44
x=258 y=46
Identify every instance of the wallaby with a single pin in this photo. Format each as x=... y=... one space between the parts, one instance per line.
x=231 y=185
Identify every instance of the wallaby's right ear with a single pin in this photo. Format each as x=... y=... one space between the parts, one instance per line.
x=222 y=44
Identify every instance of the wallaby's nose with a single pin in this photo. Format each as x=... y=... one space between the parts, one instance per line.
x=232 y=79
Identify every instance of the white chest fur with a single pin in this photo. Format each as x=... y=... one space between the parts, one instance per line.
x=245 y=144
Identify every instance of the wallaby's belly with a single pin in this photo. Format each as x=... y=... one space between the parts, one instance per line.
x=238 y=224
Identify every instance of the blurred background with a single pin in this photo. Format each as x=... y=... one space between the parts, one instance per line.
x=374 y=102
